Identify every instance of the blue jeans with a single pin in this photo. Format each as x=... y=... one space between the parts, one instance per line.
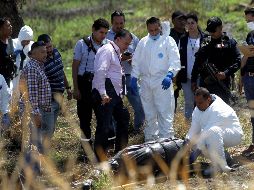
x=248 y=82
x=135 y=101
x=49 y=119
x=188 y=99
x=46 y=131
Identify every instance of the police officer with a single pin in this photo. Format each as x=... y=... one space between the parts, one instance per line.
x=178 y=19
x=220 y=52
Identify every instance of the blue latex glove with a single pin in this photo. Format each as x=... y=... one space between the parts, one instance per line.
x=6 y=121
x=18 y=51
x=134 y=86
x=167 y=80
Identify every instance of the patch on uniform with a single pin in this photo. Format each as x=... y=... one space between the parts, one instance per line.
x=160 y=55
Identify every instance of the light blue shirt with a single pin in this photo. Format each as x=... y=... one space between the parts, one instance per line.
x=86 y=58
x=126 y=66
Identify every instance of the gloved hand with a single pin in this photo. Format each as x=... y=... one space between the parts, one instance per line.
x=134 y=86
x=6 y=121
x=18 y=51
x=167 y=80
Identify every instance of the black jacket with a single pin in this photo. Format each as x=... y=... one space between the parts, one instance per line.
x=249 y=66
x=182 y=75
x=222 y=52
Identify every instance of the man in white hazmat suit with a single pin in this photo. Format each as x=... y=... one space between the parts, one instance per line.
x=214 y=126
x=155 y=62
x=4 y=104
x=22 y=45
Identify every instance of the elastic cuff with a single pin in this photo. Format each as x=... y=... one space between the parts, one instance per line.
x=85 y=140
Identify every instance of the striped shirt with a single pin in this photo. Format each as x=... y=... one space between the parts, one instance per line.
x=38 y=86
x=53 y=69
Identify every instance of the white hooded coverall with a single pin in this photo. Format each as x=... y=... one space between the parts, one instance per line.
x=25 y=33
x=151 y=62
x=215 y=128
x=4 y=95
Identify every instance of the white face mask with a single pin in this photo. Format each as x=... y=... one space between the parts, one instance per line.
x=250 y=25
x=26 y=49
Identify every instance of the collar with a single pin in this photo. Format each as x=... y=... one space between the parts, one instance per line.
x=117 y=49
x=93 y=42
x=37 y=63
x=111 y=31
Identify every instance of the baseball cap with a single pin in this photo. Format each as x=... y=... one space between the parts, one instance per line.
x=213 y=23
x=178 y=14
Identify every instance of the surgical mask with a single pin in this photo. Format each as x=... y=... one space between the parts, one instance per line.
x=156 y=37
x=250 y=25
x=26 y=49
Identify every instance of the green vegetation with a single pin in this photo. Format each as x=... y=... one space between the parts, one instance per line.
x=68 y=28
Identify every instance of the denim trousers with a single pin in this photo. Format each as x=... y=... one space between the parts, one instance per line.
x=46 y=131
x=248 y=82
x=135 y=101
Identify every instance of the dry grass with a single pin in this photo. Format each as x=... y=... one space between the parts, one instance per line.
x=63 y=166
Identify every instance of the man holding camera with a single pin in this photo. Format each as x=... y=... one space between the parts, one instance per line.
x=118 y=22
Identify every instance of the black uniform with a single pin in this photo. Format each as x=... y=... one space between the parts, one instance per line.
x=176 y=36
x=225 y=56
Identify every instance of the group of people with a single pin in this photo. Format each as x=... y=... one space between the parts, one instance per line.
x=112 y=62
x=31 y=72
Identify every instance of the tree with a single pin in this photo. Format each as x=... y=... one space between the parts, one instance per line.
x=9 y=8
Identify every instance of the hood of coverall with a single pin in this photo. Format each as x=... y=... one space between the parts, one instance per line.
x=165 y=28
x=25 y=33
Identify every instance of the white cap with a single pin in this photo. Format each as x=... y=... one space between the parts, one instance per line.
x=165 y=27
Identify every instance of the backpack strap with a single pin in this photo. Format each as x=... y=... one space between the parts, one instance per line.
x=89 y=43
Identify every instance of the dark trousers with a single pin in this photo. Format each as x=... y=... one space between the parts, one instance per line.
x=104 y=115
x=84 y=105
x=215 y=88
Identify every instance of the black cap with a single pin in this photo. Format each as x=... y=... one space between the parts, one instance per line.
x=44 y=37
x=213 y=23
x=178 y=14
